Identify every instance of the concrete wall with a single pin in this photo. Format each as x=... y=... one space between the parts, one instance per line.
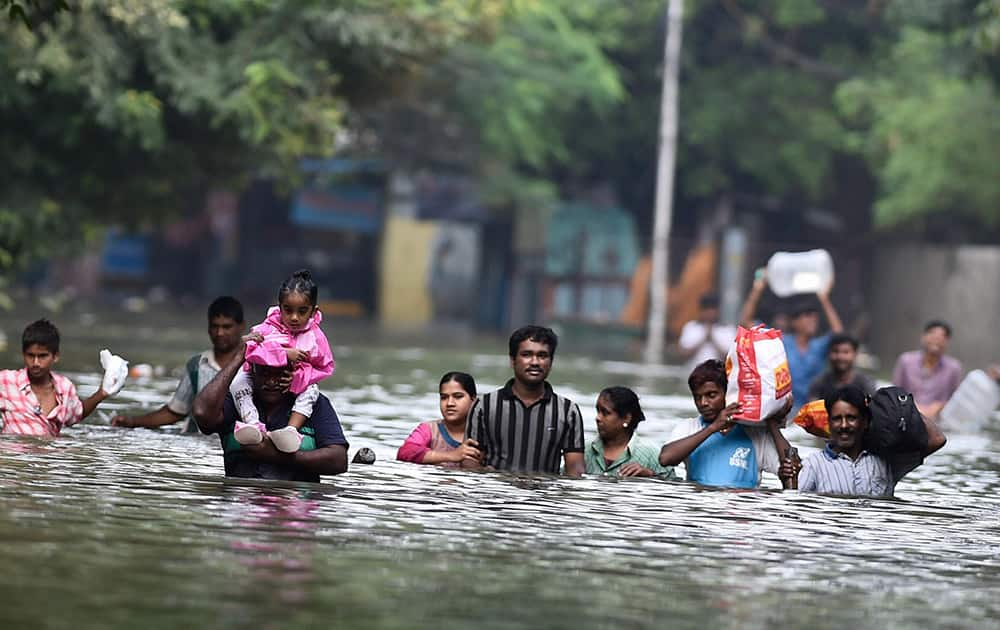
x=911 y=284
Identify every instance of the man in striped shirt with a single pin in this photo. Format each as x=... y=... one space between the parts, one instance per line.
x=844 y=467
x=525 y=426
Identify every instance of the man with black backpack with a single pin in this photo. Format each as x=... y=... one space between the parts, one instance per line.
x=225 y=329
x=874 y=442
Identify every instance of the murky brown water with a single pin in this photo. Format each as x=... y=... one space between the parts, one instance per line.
x=109 y=527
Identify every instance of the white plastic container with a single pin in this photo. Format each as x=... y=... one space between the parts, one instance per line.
x=973 y=402
x=790 y=273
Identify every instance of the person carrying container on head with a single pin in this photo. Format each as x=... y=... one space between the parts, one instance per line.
x=805 y=348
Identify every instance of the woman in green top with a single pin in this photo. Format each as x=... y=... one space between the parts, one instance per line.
x=616 y=451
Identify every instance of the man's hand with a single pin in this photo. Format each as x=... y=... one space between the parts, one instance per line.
x=788 y=471
x=123 y=421
x=469 y=449
x=931 y=410
x=295 y=355
x=286 y=379
x=266 y=452
x=634 y=469
x=253 y=336
x=724 y=421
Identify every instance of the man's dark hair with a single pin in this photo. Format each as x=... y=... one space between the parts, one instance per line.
x=41 y=332
x=853 y=395
x=226 y=306
x=938 y=323
x=842 y=338
x=624 y=401
x=540 y=334
x=711 y=371
x=709 y=300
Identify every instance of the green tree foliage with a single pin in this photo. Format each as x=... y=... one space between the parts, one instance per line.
x=502 y=107
x=927 y=113
x=127 y=111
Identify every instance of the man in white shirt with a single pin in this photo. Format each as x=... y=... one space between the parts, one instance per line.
x=704 y=338
x=225 y=330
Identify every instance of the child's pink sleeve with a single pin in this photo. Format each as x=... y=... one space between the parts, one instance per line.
x=320 y=365
x=416 y=445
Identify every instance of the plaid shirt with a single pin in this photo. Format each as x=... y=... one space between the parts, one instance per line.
x=22 y=415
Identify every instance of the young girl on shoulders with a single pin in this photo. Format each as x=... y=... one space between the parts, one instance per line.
x=289 y=335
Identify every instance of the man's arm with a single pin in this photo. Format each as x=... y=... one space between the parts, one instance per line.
x=208 y=404
x=750 y=306
x=151 y=420
x=935 y=437
x=328 y=460
x=572 y=444
x=90 y=404
x=781 y=444
x=836 y=326
x=677 y=451
x=474 y=431
x=575 y=466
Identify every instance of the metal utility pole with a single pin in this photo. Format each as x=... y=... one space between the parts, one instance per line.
x=664 y=184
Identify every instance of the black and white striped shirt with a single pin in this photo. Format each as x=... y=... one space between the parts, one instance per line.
x=526 y=439
x=830 y=472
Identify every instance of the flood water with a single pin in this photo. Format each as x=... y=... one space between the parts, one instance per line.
x=108 y=527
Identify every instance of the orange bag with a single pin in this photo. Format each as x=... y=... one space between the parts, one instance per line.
x=813 y=418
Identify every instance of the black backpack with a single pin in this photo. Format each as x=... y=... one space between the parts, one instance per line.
x=897 y=431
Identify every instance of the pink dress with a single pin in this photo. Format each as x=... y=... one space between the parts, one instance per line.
x=428 y=436
x=278 y=337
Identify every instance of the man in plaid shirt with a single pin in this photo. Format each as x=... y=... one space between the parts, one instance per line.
x=34 y=400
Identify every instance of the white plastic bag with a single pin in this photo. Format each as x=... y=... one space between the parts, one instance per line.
x=757 y=372
x=115 y=372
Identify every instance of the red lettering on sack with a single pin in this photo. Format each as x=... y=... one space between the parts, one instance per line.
x=749 y=378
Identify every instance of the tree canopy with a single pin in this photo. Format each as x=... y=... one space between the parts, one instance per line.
x=121 y=111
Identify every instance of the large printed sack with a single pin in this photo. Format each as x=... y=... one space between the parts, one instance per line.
x=757 y=370
x=813 y=418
